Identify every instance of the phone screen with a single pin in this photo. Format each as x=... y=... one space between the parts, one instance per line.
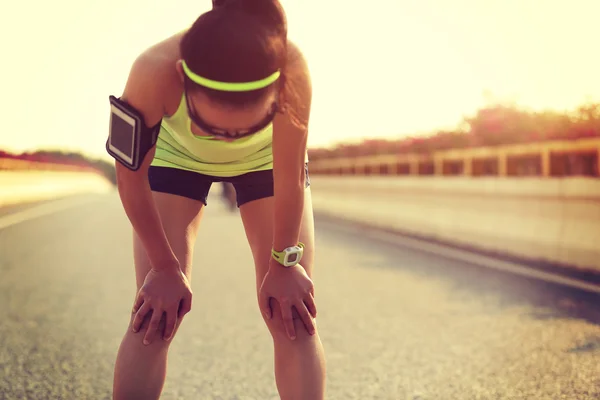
x=122 y=135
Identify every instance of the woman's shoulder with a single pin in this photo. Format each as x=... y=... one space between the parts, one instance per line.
x=296 y=57
x=298 y=72
x=153 y=77
x=157 y=62
x=298 y=88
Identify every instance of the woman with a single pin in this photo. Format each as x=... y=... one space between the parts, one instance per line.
x=232 y=97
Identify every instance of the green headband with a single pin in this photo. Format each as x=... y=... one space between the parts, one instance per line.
x=230 y=86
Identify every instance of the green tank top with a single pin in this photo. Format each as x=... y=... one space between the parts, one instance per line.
x=178 y=147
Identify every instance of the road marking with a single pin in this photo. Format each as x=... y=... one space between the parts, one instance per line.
x=41 y=210
x=472 y=258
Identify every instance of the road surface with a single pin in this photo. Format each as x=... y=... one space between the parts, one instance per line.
x=396 y=323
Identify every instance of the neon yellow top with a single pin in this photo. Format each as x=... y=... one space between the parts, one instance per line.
x=178 y=147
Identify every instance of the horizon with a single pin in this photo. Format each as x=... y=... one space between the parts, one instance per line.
x=399 y=69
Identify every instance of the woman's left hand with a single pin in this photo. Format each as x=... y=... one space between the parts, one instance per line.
x=291 y=287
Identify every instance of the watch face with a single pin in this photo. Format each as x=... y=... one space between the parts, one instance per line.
x=292 y=257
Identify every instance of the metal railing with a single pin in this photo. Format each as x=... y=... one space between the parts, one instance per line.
x=545 y=159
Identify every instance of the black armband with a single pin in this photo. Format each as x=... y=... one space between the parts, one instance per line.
x=129 y=139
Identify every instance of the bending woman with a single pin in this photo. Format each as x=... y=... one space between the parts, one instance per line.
x=227 y=100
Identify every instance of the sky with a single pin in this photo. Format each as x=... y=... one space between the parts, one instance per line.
x=383 y=68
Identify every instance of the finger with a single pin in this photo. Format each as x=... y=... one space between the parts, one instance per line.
x=170 y=325
x=309 y=301
x=264 y=304
x=288 y=319
x=138 y=320
x=153 y=327
x=185 y=306
x=306 y=318
x=139 y=300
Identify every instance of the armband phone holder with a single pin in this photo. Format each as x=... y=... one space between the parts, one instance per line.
x=129 y=139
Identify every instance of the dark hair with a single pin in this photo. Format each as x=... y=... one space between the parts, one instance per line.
x=238 y=41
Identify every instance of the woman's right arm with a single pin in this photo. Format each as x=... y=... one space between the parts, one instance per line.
x=145 y=93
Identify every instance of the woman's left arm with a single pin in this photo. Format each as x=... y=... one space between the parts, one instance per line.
x=291 y=286
x=290 y=136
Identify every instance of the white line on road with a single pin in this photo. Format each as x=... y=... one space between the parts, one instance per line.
x=476 y=259
x=41 y=210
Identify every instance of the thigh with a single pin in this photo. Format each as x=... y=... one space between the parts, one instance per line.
x=257 y=217
x=180 y=182
x=180 y=211
x=257 y=185
x=252 y=186
x=180 y=218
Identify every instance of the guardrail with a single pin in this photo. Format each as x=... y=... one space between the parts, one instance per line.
x=545 y=159
x=555 y=221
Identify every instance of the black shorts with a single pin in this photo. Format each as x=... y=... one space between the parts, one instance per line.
x=194 y=185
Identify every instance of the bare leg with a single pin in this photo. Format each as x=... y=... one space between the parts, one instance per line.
x=299 y=364
x=140 y=370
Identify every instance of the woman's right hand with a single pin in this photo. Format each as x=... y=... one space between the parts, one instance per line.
x=164 y=291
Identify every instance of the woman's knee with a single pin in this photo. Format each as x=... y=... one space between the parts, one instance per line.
x=277 y=328
x=157 y=336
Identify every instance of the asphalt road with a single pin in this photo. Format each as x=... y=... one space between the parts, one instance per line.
x=396 y=323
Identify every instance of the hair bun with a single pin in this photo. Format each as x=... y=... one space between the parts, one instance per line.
x=268 y=12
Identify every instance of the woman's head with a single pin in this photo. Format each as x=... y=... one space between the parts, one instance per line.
x=243 y=42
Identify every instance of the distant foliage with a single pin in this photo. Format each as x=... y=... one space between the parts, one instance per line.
x=494 y=125
x=73 y=159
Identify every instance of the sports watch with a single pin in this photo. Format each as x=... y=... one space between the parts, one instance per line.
x=290 y=256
